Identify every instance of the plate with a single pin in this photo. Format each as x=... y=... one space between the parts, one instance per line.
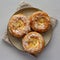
x=28 y=10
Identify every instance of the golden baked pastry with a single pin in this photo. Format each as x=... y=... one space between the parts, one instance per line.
x=19 y=25
x=40 y=21
x=33 y=43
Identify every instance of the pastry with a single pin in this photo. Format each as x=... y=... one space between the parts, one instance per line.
x=33 y=43
x=19 y=25
x=40 y=21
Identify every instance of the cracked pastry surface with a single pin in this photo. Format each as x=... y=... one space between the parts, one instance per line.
x=19 y=25
x=40 y=21
x=33 y=42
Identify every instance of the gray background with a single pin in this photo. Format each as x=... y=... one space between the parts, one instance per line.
x=51 y=52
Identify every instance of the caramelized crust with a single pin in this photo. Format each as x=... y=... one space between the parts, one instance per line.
x=19 y=25
x=40 y=21
x=33 y=43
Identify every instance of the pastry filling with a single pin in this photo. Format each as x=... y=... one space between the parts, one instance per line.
x=40 y=21
x=18 y=24
x=33 y=42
